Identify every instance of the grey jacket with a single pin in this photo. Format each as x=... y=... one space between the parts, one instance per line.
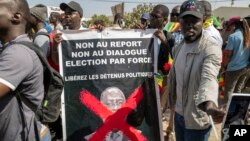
x=200 y=81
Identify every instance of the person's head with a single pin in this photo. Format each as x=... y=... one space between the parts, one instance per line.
x=118 y=19
x=145 y=18
x=236 y=23
x=191 y=20
x=113 y=98
x=159 y=16
x=207 y=8
x=54 y=17
x=14 y=16
x=174 y=15
x=73 y=14
x=38 y=17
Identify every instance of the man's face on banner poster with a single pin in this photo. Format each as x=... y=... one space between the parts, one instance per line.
x=113 y=98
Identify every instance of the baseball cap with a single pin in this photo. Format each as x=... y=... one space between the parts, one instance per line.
x=247 y=17
x=39 y=12
x=192 y=7
x=72 y=5
x=145 y=16
x=233 y=20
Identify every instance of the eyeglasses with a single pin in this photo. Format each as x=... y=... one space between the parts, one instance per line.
x=174 y=14
x=155 y=16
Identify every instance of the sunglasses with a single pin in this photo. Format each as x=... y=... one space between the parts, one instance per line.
x=174 y=14
x=154 y=16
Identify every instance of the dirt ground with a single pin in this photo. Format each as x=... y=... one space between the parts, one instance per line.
x=212 y=134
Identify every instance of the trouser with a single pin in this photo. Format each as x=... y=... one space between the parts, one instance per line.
x=234 y=82
x=164 y=96
x=183 y=134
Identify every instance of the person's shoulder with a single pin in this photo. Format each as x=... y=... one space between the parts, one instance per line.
x=237 y=35
x=210 y=44
x=21 y=53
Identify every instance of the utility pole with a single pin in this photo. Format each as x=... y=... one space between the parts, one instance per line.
x=232 y=3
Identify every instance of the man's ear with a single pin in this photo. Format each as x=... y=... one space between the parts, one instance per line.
x=16 y=18
x=165 y=21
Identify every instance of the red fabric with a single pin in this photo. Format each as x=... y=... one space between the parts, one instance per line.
x=111 y=119
x=52 y=64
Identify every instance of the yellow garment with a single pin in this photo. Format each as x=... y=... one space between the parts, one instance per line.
x=207 y=23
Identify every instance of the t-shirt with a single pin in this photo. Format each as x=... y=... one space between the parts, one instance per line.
x=20 y=69
x=240 y=56
x=215 y=34
x=180 y=66
x=43 y=42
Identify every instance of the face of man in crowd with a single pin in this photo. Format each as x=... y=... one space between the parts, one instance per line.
x=33 y=22
x=5 y=18
x=72 y=19
x=208 y=12
x=157 y=20
x=191 y=27
x=52 y=18
x=145 y=23
x=174 y=15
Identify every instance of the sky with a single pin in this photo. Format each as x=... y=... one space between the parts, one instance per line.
x=91 y=7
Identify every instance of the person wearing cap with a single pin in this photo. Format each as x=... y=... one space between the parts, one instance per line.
x=209 y=24
x=73 y=15
x=37 y=22
x=237 y=56
x=145 y=20
x=193 y=87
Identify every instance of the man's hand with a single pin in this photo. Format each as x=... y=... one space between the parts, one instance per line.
x=100 y=27
x=139 y=26
x=160 y=34
x=57 y=38
x=210 y=108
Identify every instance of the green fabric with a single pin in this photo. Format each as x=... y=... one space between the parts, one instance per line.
x=215 y=21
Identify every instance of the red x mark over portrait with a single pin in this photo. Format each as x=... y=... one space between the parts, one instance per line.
x=114 y=120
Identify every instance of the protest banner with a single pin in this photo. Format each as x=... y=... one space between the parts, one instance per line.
x=110 y=91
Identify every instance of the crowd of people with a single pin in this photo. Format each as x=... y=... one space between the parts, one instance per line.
x=199 y=46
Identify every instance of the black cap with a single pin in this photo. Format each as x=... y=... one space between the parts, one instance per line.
x=72 y=5
x=39 y=12
x=192 y=7
x=247 y=17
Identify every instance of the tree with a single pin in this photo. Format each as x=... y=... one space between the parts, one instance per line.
x=98 y=19
x=134 y=17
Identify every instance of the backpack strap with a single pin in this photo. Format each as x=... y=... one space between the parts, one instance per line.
x=41 y=33
x=39 y=53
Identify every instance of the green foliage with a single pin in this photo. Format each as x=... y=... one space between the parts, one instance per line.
x=134 y=17
x=98 y=19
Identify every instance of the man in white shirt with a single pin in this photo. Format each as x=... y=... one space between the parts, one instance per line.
x=208 y=25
